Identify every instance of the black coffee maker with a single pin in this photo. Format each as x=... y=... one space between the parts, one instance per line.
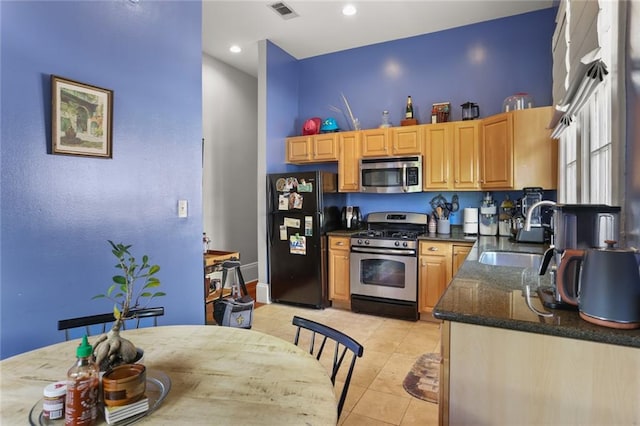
x=351 y=217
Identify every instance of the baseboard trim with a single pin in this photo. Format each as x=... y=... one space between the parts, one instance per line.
x=262 y=293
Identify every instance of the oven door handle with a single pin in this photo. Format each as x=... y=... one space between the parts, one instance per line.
x=375 y=250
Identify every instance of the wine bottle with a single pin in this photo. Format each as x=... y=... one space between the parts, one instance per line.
x=409 y=110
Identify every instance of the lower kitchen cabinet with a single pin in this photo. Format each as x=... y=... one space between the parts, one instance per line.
x=434 y=273
x=438 y=263
x=460 y=253
x=339 y=288
x=496 y=376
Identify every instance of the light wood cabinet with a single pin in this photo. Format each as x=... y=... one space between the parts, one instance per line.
x=406 y=140
x=437 y=165
x=438 y=263
x=497 y=152
x=298 y=149
x=339 y=287
x=434 y=273
x=316 y=148
x=375 y=143
x=466 y=153
x=460 y=253
x=565 y=382
x=517 y=151
x=349 y=162
x=452 y=156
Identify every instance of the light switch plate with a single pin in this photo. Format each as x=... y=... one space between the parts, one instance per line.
x=182 y=208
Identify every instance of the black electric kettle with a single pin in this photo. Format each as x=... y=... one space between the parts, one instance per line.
x=608 y=291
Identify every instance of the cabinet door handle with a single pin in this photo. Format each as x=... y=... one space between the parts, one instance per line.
x=433 y=248
x=340 y=243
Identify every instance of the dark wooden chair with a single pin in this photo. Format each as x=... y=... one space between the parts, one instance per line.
x=104 y=319
x=343 y=343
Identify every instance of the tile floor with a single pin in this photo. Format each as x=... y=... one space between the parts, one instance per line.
x=376 y=395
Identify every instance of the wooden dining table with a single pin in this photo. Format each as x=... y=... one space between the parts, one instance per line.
x=216 y=375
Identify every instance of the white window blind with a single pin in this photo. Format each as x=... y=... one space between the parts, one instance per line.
x=588 y=164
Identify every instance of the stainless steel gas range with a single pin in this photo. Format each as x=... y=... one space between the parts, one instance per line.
x=384 y=265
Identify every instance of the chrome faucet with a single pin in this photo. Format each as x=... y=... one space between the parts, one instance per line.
x=527 y=222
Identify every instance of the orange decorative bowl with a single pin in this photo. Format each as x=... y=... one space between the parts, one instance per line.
x=124 y=384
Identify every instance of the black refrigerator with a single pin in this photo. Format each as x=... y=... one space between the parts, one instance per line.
x=301 y=208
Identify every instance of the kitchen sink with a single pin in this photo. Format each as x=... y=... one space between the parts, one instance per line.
x=511 y=258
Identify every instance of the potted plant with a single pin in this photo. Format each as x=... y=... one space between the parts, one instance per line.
x=112 y=349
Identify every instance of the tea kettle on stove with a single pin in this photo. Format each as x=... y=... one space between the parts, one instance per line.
x=608 y=282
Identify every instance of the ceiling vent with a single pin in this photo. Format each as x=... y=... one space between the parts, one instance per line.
x=284 y=11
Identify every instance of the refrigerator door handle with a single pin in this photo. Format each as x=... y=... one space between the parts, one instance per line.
x=269 y=196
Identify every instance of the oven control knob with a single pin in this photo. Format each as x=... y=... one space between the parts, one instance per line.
x=405 y=244
x=359 y=242
x=397 y=243
x=366 y=242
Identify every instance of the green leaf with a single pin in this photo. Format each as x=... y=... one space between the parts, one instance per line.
x=116 y=312
x=100 y=296
x=151 y=284
x=110 y=290
x=154 y=269
x=119 y=279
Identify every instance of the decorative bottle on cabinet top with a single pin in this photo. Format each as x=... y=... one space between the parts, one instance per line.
x=409 y=109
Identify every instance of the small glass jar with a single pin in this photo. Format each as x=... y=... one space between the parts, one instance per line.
x=386 y=121
x=53 y=402
x=517 y=101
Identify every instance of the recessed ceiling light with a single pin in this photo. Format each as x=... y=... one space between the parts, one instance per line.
x=235 y=49
x=349 y=10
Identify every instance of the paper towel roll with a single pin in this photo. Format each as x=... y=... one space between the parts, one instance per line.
x=470 y=217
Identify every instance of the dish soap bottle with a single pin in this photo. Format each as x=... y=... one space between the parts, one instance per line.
x=82 y=388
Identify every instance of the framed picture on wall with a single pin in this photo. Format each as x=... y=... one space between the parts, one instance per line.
x=81 y=118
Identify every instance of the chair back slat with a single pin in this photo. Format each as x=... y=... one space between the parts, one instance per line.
x=343 y=343
x=104 y=319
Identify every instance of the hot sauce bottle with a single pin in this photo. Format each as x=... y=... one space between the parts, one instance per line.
x=83 y=379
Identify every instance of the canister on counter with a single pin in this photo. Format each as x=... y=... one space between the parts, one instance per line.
x=53 y=402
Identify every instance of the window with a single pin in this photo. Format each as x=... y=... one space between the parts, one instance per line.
x=589 y=164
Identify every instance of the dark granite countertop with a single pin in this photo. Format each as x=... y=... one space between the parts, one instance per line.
x=342 y=232
x=456 y=236
x=494 y=296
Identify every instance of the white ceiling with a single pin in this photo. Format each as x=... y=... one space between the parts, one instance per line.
x=321 y=28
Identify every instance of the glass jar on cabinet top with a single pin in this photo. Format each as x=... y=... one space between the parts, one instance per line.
x=518 y=101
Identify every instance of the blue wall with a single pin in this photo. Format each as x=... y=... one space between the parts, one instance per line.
x=483 y=63
x=59 y=211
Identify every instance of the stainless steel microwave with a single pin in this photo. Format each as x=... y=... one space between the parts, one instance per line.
x=391 y=174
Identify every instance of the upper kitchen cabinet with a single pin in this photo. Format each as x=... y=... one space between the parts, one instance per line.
x=437 y=163
x=466 y=148
x=298 y=149
x=349 y=162
x=406 y=140
x=451 y=156
x=516 y=150
x=316 y=148
x=375 y=142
